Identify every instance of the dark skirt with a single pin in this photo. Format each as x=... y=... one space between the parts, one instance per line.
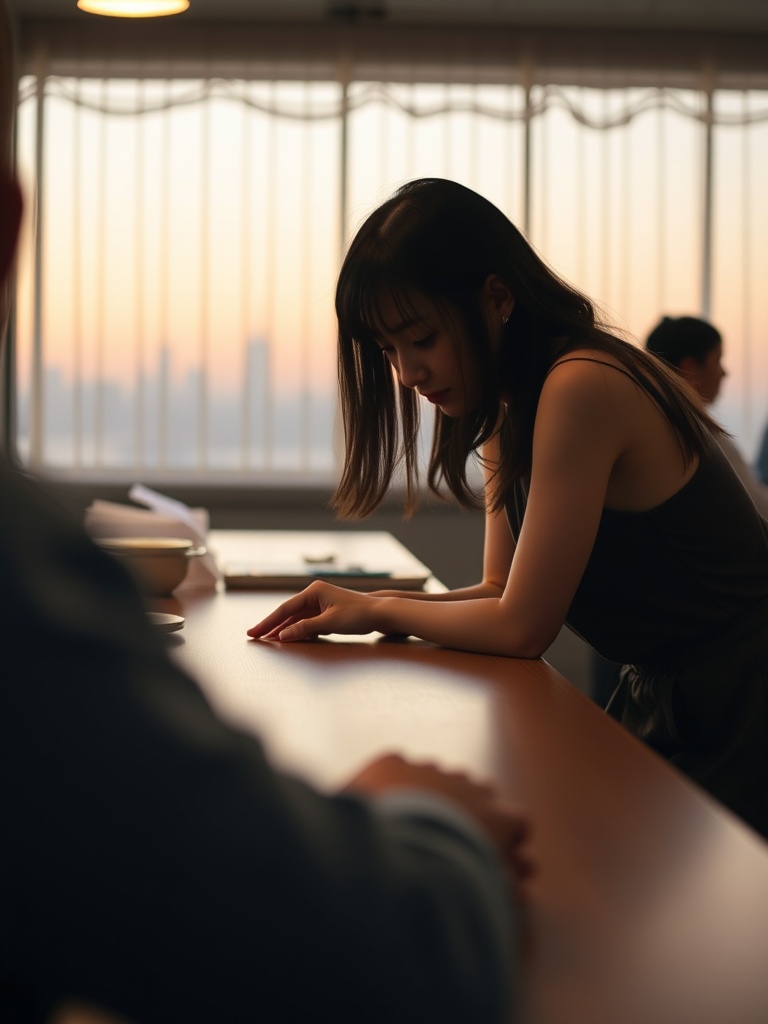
x=707 y=713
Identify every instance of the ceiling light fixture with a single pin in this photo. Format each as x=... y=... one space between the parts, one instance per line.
x=133 y=8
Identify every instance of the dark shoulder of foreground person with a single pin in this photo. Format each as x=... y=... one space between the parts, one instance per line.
x=155 y=864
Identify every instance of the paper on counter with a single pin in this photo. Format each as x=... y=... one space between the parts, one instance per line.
x=165 y=517
x=196 y=518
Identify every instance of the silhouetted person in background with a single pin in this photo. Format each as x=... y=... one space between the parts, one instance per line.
x=694 y=348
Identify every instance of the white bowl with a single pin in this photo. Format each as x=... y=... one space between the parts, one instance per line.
x=158 y=564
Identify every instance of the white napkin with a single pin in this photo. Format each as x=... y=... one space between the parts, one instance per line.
x=164 y=517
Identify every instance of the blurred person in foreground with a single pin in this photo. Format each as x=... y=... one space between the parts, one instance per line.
x=694 y=348
x=155 y=866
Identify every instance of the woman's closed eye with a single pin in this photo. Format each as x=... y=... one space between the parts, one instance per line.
x=418 y=343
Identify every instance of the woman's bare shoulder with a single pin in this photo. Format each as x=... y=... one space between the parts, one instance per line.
x=584 y=359
x=590 y=393
x=585 y=367
x=590 y=370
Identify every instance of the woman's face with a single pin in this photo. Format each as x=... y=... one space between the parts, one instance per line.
x=711 y=374
x=705 y=374
x=430 y=353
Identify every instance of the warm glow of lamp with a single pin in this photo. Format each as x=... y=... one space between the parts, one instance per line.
x=133 y=8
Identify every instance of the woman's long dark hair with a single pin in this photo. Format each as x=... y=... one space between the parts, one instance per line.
x=440 y=240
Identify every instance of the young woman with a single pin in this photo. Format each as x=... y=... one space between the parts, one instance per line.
x=609 y=504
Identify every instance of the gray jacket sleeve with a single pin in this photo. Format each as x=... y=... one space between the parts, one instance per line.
x=435 y=828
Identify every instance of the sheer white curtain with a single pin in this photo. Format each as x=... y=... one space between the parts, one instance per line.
x=175 y=311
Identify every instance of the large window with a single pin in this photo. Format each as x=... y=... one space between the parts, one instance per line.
x=175 y=308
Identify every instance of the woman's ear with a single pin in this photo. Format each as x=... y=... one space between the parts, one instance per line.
x=690 y=368
x=499 y=300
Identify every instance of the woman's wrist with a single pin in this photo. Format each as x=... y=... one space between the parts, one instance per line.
x=385 y=615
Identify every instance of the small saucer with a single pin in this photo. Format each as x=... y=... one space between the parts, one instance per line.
x=165 y=623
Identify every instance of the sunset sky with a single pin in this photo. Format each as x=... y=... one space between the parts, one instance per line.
x=213 y=224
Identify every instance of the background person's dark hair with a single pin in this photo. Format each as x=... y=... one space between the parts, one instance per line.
x=438 y=239
x=674 y=339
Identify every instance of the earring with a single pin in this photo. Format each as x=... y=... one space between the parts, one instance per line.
x=505 y=319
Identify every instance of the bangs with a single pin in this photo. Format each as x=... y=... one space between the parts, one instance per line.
x=380 y=416
x=377 y=292
x=370 y=309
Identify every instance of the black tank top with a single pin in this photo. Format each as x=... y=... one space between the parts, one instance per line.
x=659 y=582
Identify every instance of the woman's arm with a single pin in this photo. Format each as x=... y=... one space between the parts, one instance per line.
x=583 y=425
x=499 y=547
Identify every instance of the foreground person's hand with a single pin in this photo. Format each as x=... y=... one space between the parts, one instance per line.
x=507 y=826
x=320 y=608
